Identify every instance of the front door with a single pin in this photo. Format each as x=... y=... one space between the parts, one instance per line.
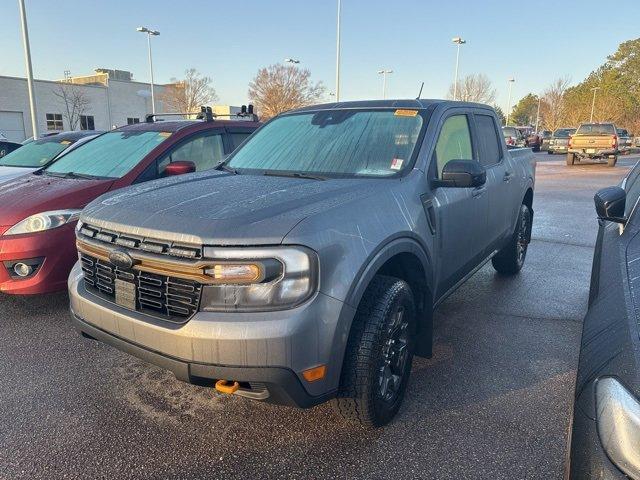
x=462 y=212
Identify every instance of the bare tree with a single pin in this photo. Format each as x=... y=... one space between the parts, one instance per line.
x=74 y=101
x=188 y=94
x=278 y=88
x=474 y=88
x=553 y=103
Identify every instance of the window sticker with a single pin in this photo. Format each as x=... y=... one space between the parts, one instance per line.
x=65 y=142
x=165 y=134
x=405 y=113
x=396 y=163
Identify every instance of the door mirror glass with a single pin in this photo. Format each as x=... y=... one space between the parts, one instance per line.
x=610 y=204
x=179 y=168
x=463 y=174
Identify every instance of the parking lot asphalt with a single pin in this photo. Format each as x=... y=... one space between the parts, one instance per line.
x=494 y=402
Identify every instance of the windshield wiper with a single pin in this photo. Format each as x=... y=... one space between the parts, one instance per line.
x=84 y=176
x=223 y=166
x=310 y=176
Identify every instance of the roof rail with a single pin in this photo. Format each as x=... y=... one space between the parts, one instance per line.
x=206 y=114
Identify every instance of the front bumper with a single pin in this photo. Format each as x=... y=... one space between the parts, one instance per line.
x=57 y=249
x=271 y=348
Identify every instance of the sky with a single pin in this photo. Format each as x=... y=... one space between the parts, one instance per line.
x=533 y=42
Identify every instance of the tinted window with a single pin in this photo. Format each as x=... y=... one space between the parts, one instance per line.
x=205 y=151
x=338 y=142
x=454 y=142
x=632 y=187
x=596 y=129
x=111 y=155
x=564 y=132
x=492 y=147
x=510 y=132
x=237 y=138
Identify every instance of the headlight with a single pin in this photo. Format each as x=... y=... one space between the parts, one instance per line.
x=43 y=221
x=618 y=418
x=259 y=279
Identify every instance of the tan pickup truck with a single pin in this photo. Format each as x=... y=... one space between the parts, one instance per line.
x=594 y=141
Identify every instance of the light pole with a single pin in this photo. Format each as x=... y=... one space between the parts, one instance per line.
x=538 y=114
x=459 y=41
x=27 y=61
x=511 y=81
x=593 y=102
x=291 y=60
x=384 y=73
x=149 y=33
x=338 y=54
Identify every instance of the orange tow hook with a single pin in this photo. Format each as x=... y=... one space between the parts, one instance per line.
x=225 y=386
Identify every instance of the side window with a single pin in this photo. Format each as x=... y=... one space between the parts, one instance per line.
x=491 y=147
x=454 y=142
x=237 y=138
x=632 y=187
x=205 y=151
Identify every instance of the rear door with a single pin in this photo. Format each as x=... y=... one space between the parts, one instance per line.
x=461 y=226
x=500 y=178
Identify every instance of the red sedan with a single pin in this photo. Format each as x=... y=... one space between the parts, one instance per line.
x=38 y=212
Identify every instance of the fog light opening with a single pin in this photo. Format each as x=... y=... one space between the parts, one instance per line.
x=22 y=269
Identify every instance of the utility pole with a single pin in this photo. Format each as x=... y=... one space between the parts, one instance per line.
x=338 y=54
x=459 y=41
x=593 y=102
x=27 y=60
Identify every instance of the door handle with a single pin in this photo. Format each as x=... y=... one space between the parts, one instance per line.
x=478 y=191
x=507 y=176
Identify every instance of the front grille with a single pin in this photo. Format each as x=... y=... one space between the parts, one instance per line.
x=165 y=297
x=145 y=244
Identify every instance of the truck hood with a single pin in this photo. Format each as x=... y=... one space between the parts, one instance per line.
x=218 y=208
x=9 y=173
x=31 y=194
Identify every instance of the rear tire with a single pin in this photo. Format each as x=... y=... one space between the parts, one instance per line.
x=549 y=152
x=571 y=158
x=611 y=161
x=510 y=259
x=379 y=353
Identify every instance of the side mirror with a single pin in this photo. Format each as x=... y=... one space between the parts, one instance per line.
x=462 y=174
x=610 y=204
x=179 y=168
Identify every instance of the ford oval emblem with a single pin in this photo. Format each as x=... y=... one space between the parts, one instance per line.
x=121 y=259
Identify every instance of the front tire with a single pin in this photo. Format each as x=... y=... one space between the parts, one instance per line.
x=510 y=259
x=571 y=158
x=379 y=353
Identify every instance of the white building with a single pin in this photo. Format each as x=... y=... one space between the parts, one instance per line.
x=113 y=98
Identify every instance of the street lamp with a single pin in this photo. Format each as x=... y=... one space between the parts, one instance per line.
x=538 y=114
x=27 y=61
x=291 y=60
x=338 y=54
x=384 y=73
x=149 y=33
x=511 y=81
x=458 y=41
x=593 y=102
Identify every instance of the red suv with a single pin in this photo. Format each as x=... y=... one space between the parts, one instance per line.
x=38 y=212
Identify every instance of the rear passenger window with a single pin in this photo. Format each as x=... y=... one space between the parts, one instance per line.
x=491 y=152
x=454 y=142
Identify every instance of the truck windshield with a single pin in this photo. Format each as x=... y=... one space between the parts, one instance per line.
x=111 y=155
x=596 y=129
x=35 y=154
x=334 y=143
x=563 y=132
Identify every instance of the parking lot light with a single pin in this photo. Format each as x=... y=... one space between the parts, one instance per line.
x=458 y=41
x=384 y=73
x=511 y=82
x=149 y=33
x=593 y=102
x=291 y=60
x=27 y=60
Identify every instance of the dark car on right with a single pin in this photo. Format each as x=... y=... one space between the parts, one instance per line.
x=559 y=142
x=605 y=440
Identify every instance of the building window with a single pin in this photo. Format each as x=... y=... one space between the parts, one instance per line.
x=54 y=121
x=132 y=120
x=86 y=122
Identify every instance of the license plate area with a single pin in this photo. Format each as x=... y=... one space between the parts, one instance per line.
x=591 y=150
x=125 y=294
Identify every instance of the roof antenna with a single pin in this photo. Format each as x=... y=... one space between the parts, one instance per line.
x=420 y=92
